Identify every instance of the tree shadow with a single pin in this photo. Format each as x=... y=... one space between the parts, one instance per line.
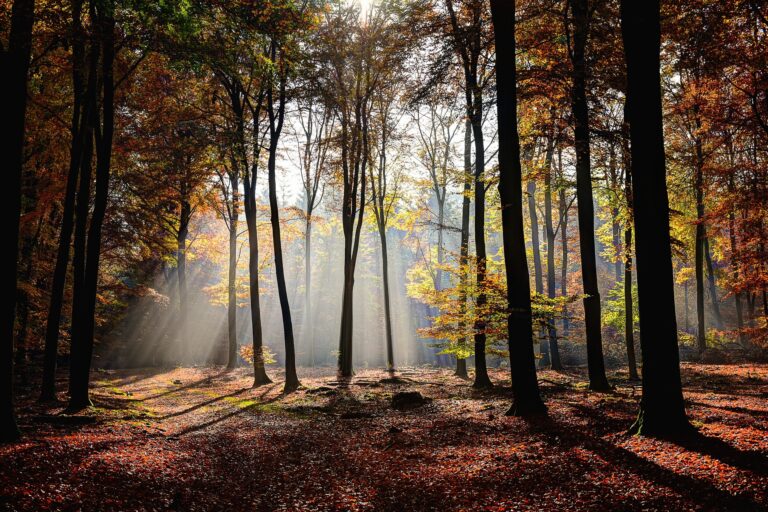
x=694 y=489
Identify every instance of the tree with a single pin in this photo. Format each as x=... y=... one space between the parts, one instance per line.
x=580 y=14
x=470 y=42
x=276 y=119
x=102 y=125
x=525 y=388
x=14 y=63
x=662 y=410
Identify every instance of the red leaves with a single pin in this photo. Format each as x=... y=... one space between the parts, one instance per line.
x=215 y=444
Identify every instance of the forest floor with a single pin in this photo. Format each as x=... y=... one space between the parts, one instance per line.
x=203 y=439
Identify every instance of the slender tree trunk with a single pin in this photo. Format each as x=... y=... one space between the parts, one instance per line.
x=597 y=379
x=662 y=410
x=387 y=307
x=537 y=270
x=82 y=357
x=79 y=294
x=185 y=213
x=522 y=362
x=291 y=378
x=687 y=307
x=629 y=317
x=461 y=363
x=308 y=328
x=77 y=128
x=554 y=350
x=259 y=373
x=481 y=370
x=735 y=266
x=563 y=213
x=276 y=125
x=701 y=328
x=232 y=276
x=712 y=285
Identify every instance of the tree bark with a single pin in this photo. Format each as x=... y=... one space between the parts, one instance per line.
x=461 y=363
x=77 y=129
x=597 y=379
x=662 y=410
x=15 y=64
x=554 y=350
x=525 y=387
x=81 y=358
x=232 y=276
x=275 y=128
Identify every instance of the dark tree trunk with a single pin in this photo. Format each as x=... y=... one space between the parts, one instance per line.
x=525 y=387
x=701 y=328
x=387 y=307
x=481 y=370
x=537 y=270
x=15 y=65
x=563 y=213
x=232 y=276
x=662 y=410
x=597 y=378
x=461 y=363
x=77 y=129
x=309 y=334
x=81 y=358
x=259 y=373
x=185 y=213
x=275 y=128
x=79 y=294
x=629 y=322
x=554 y=350
x=538 y=279
x=712 y=285
x=735 y=269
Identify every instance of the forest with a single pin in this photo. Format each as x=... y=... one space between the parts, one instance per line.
x=363 y=255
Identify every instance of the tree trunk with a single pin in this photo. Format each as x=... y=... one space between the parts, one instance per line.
x=481 y=371
x=276 y=125
x=537 y=270
x=629 y=321
x=461 y=363
x=701 y=328
x=308 y=328
x=522 y=363
x=629 y=316
x=563 y=213
x=712 y=285
x=185 y=212
x=662 y=410
x=259 y=373
x=554 y=350
x=79 y=294
x=387 y=308
x=77 y=129
x=232 y=277
x=735 y=269
x=597 y=378
x=15 y=65
x=81 y=358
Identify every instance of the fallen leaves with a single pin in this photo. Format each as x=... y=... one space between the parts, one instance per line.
x=202 y=439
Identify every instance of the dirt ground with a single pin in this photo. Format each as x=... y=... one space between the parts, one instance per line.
x=203 y=439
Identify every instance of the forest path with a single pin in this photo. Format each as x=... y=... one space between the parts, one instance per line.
x=203 y=439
